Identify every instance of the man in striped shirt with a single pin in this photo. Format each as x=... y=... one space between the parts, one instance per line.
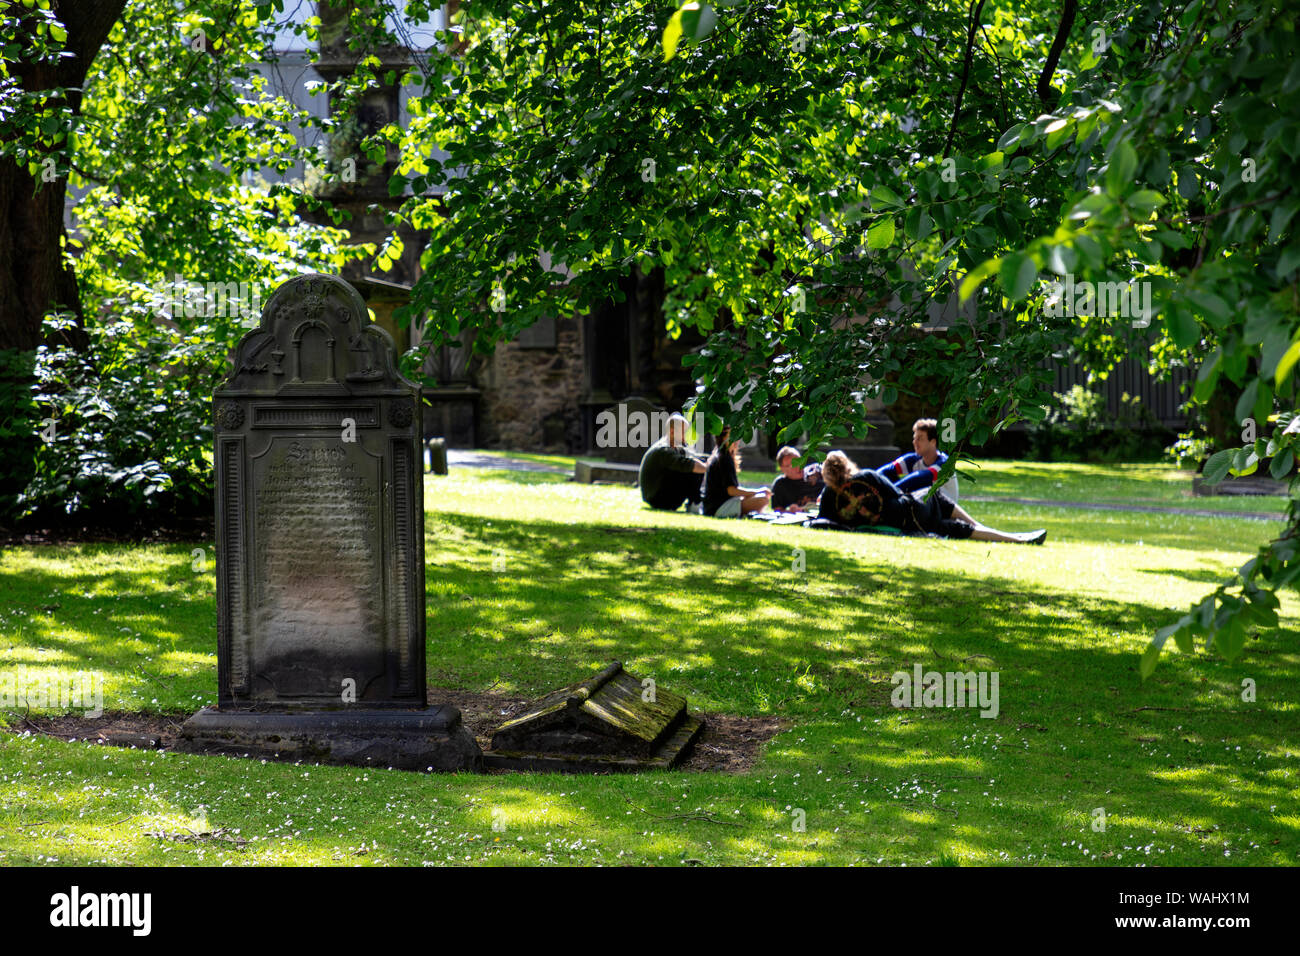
x=915 y=472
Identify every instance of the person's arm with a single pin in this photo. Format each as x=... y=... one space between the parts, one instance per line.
x=917 y=480
x=898 y=467
x=922 y=477
x=685 y=462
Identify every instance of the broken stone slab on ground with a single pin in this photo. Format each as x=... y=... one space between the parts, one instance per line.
x=610 y=721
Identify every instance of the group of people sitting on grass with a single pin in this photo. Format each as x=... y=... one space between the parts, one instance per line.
x=896 y=497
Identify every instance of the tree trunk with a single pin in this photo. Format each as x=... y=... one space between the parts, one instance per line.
x=34 y=278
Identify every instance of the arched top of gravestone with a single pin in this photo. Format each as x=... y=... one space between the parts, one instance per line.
x=315 y=338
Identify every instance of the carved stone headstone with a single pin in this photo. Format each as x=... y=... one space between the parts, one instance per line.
x=320 y=545
x=638 y=424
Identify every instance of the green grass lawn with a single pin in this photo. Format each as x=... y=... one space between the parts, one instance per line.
x=1151 y=485
x=1186 y=771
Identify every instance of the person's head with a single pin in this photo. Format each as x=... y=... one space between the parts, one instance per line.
x=785 y=462
x=925 y=436
x=676 y=429
x=837 y=469
x=726 y=446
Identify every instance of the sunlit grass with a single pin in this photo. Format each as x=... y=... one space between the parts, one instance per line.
x=533 y=582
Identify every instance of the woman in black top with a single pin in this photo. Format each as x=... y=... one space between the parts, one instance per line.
x=724 y=497
x=862 y=496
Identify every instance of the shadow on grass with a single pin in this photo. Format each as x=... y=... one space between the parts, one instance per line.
x=724 y=619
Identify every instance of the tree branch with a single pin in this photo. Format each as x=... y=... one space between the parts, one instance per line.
x=977 y=6
x=1046 y=93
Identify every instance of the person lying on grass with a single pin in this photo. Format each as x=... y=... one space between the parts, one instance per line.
x=723 y=495
x=864 y=497
x=797 y=489
x=916 y=471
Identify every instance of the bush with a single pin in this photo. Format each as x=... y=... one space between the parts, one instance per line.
x=1190 y=450
x=131 y=432
x=1080 y=428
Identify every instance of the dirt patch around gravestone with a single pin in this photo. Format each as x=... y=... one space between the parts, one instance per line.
x=729 y=744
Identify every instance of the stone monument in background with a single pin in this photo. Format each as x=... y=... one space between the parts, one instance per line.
x=320 y=546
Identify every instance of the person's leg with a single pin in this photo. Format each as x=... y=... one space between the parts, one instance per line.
x=731 y=508
x=1010 y=537
x=982 y=531
x=677 y=487
x=751 y=503
x=686 y=485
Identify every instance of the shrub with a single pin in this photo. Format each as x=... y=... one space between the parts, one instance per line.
x=1081 y=428
x=131 y=431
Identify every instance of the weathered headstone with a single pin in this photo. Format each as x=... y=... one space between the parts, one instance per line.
x=613 y=720
x=320 y=546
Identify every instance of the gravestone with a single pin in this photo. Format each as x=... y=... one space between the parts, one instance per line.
x=320 y=546
x=611 y=721
x=637 y=423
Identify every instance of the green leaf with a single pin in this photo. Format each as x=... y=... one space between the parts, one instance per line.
x=884 y=196
x=1216 y=468
x=1183 y=327
x=1288 y=260
x=1282 y=464
x=1123 y=164
x=1211 y=306
x=672 y=35
x=1017 y=274
x=1145 y=201
x=975 y=278
x=1246 y=402
x=1011 y=137
x=1231 y=638
x=1062 y=259
x=1056 y=131
x=881 y=235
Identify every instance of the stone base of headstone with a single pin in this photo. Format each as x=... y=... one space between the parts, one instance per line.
x=1250 y=485
x=590 y=472
x=429 y=739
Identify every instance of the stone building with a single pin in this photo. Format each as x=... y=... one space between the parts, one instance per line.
x=540 y=392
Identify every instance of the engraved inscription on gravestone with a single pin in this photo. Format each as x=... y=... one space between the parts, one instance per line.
x=320 y=557
x=320 y=545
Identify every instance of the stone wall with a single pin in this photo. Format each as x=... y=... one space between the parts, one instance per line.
x=530 y=395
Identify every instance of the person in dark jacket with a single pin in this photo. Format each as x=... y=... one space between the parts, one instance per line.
x=724 y=497
x=670 y=472
x=796 y=489
x=865 y=497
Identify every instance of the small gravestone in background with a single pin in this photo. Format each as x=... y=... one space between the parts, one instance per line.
x=320 y=546
x=637 y=424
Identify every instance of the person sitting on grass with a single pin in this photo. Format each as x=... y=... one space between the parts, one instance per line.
x=916 y=471
x=797 y=489
x=670 y=471
x=865 y=497
x=724 y=497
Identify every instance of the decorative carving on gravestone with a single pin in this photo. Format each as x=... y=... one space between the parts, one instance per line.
x=320 y=546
